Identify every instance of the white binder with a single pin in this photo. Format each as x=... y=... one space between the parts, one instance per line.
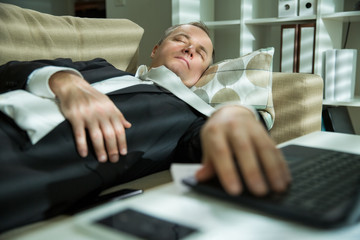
x=288 y=48
x=345 y=69
x=330 y=59
x=306 y=48
x=340 y=71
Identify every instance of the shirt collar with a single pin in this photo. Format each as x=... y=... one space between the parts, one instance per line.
x=142 y=70
x=145 y=74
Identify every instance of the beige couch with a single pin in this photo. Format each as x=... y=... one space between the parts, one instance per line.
x=29 y=35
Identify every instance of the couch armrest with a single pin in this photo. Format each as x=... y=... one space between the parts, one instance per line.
x=297 y=103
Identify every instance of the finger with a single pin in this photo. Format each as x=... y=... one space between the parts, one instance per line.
x=110 y=142
x=205 y=172
x=121 y=135
x=97 y=140
x=125 y=123
x=286 y=170
x=228 y=176
x=283 y=166
x=275 y=168
x=249 y=166
x=219 y=155
x=80 y=139
x=272 y=161
x=121 y=139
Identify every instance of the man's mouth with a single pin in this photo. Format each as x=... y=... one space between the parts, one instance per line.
x=186 y=61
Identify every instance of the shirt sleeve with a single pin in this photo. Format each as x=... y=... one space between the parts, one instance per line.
x=38 y=80
x=263 y=116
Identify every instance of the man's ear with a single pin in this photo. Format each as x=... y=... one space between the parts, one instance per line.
x=154 y=51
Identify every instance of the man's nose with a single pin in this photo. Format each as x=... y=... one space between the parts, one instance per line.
x=189 y=50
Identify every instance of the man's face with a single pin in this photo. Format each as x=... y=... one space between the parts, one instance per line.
x=187 y=51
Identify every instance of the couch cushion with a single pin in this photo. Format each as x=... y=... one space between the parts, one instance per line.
x=29 y=35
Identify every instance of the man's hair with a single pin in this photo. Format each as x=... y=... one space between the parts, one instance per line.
x=200 y=25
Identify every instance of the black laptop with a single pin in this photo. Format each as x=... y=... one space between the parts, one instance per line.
x=324 y=193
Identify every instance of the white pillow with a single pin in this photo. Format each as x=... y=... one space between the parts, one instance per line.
x=246 y=80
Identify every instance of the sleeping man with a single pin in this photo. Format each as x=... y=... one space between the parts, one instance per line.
x=143 y=124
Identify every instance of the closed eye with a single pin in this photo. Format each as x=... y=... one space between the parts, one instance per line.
x=201 y=54
x=181 y=39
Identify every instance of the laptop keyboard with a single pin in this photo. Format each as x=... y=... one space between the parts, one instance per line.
x=323 y=182
x=324 y=191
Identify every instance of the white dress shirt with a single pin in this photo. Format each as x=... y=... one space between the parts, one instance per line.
x=37 y=112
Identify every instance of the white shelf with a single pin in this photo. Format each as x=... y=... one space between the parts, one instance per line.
x=258 y=21
x=272 y=21
x=223 y=24
x=355 y=102
x=353 y=16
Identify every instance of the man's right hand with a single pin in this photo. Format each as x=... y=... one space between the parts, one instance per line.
x=233 y=133
x=88 y=109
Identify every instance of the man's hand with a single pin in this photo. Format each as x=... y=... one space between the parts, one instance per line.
x=88 y=109
x=233 y=134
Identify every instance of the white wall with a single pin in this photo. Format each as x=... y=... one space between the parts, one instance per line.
x=152 y=15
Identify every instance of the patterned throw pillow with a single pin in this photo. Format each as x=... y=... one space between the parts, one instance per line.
x=246 y=80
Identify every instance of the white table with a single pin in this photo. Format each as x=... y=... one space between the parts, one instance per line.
x=214 y=218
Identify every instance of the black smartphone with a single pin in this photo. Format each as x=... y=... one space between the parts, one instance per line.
x=101 y=199
x=146 y=226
